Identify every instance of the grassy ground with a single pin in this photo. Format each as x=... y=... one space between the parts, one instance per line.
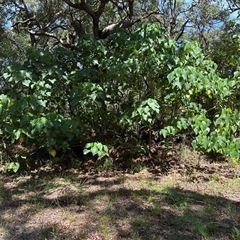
x=192 y=201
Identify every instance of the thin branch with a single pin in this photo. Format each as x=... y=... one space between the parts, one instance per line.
x=55 y=17
x=58 y=26
x=182 y=30
x=42 y=33
x=59 y=40
x=17 y=5
x=123 y=24
x=233 y=8
x=24 y=22
x=148 y=15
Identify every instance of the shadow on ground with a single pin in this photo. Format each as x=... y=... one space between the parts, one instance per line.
x=112 y=208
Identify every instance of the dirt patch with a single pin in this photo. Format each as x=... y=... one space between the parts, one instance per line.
x=191 y=202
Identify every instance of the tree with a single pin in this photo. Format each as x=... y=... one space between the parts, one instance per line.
x=12 y=46
x=63 y=21
x=206 y=21
x=224 y=50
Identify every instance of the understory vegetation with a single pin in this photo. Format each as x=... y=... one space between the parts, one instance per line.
x=128 y=91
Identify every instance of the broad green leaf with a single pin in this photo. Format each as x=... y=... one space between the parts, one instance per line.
x=86 y=151
x=99 y=146
x=26 y=82
x=94 y=150
x=105 y=148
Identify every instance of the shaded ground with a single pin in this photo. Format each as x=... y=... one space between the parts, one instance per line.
x=192 y=202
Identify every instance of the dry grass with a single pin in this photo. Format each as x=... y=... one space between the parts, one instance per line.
x=189 y=203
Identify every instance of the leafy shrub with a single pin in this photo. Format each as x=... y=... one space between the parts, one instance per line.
x=115 y=87
x=96 y=148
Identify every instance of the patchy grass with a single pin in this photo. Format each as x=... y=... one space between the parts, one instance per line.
x=196 y=200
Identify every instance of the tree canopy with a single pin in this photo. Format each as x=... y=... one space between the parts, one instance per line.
x=48 y=23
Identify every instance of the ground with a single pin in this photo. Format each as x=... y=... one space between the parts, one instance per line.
x=193 y=200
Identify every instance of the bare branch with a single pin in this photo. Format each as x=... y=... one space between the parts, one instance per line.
x=17 y=5
x=123 y=24
x=101 y=8
x=182 y=30
x=59 y=40
x=57 y=26
x=56 y=15
x=233 y=7
x=24 y=22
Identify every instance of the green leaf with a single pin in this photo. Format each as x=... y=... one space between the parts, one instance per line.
x=28 y=75
x=163 y=132
x=17 y=133
x=86 y=151
x=105 y=148
x=99 y=146
x=94 y=150
x=14 y=166
x=26 y=82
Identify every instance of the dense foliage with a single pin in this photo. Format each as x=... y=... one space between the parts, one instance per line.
x=127 y=86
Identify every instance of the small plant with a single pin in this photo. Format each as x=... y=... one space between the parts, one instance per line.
x=201 y=228
x=136 y=167
x=12 y=166
x=146 y=111
x=233 y=162
x=104 y=222
x=236 y=233
x=107 y=164
x=96 y=148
